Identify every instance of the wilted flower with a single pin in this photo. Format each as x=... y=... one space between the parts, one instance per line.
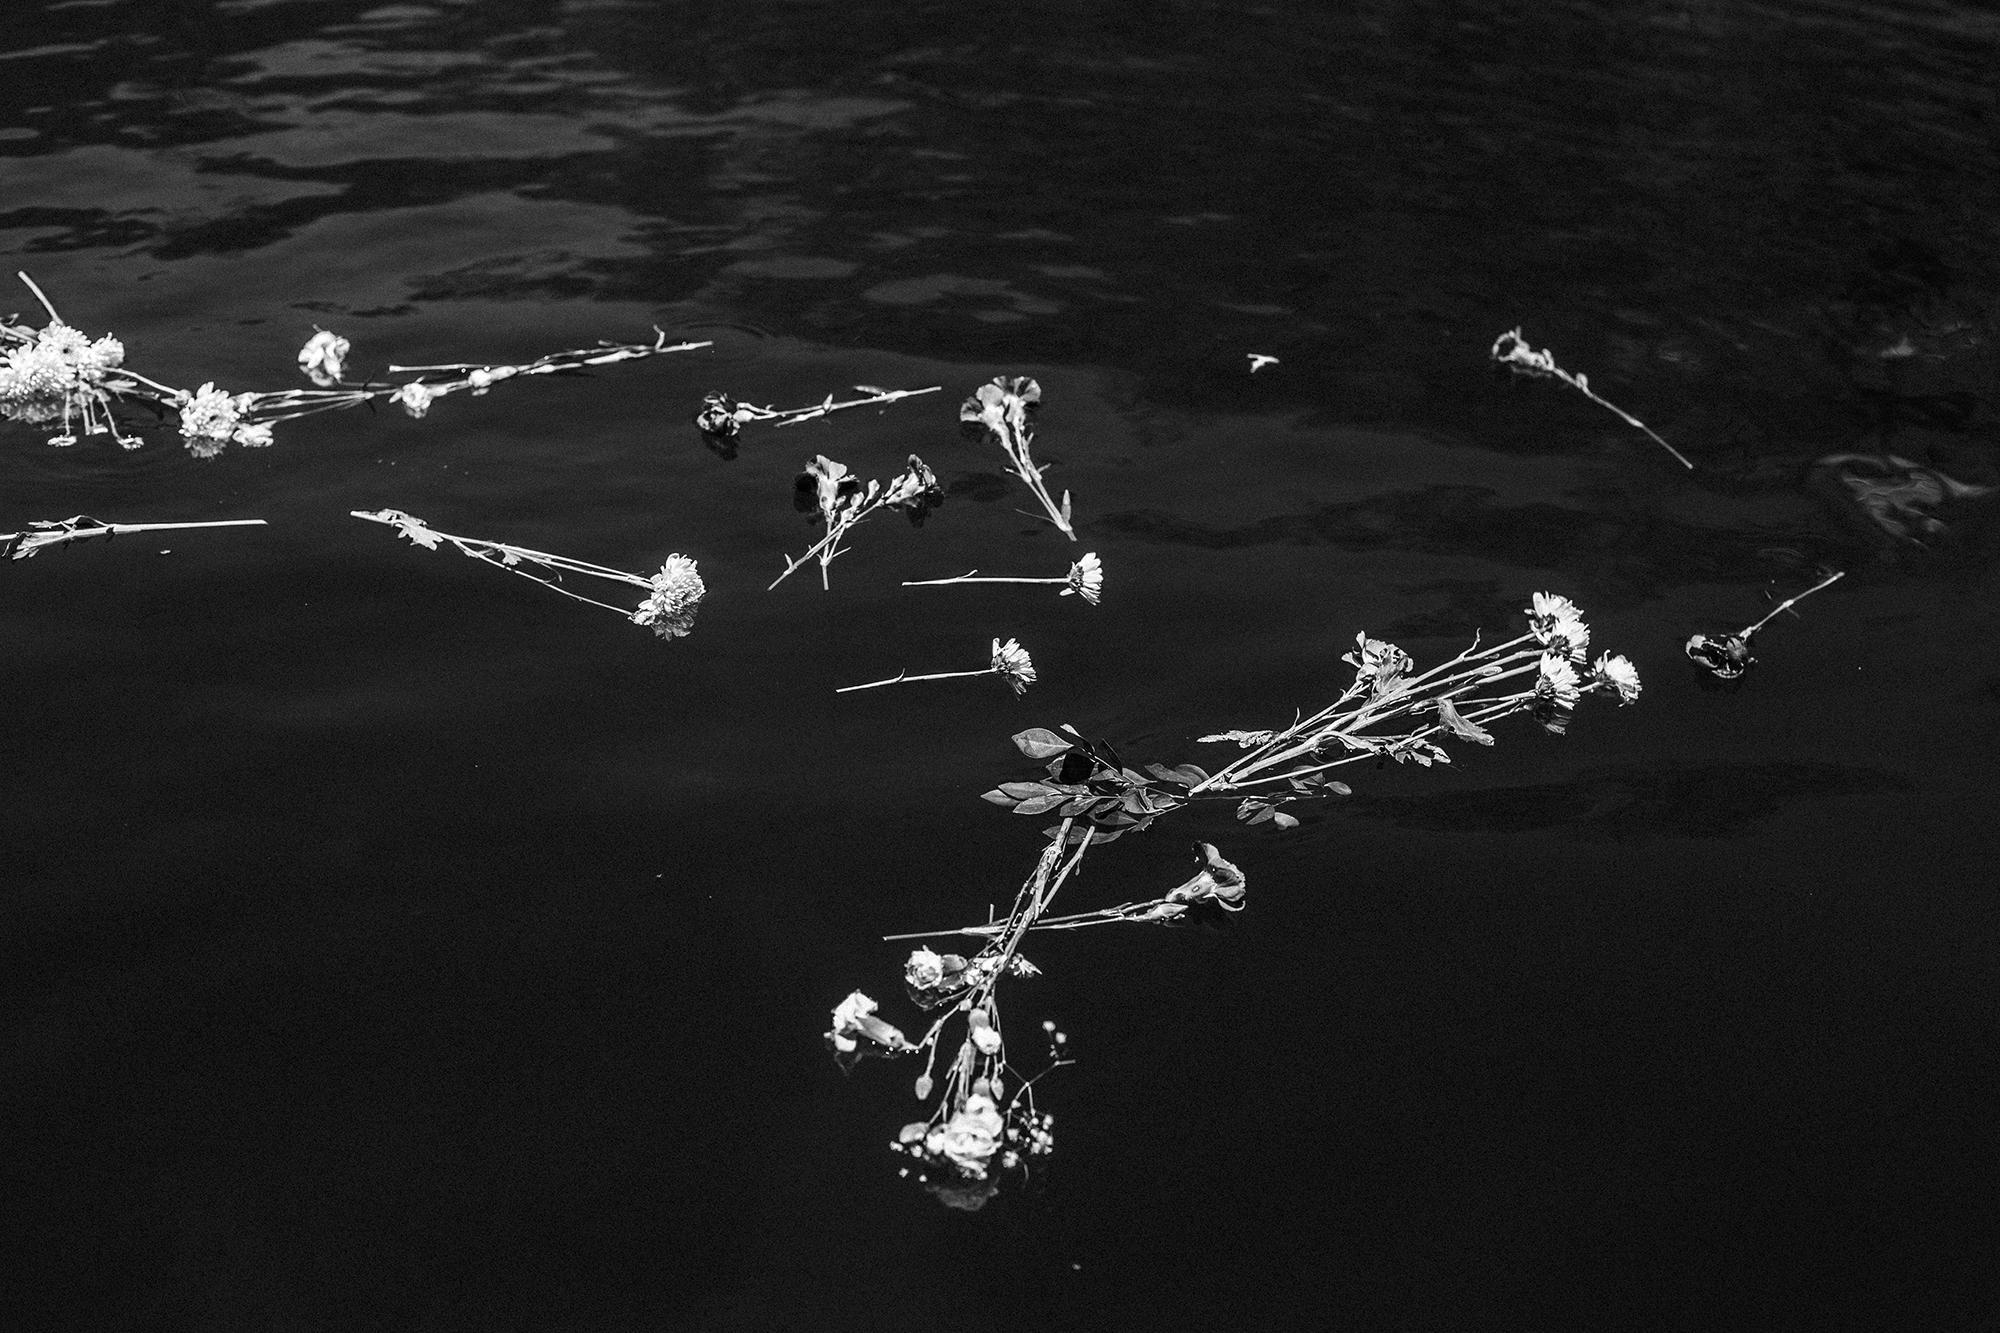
x=925 y=970
x=1383 y=663
x=1086 y=578
x=677 y=592
x=1618 y=674
x=1005 y=402
x=1218 y=882
x=1558 y=624
x=854 y=1021
x=721 y=416
x=1511 y=350
x=916 y=492
x=323 y=358
x=970 y=1138
x=1725 y=655
x=984 y=1035
x=1012 y=664
x=1558 y=680
x=415 y=398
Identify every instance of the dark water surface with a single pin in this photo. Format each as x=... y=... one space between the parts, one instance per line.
x=391 y=944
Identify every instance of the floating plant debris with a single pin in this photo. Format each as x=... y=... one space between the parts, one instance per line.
x=1010 y=662
x=838 y=499
x=1085 y=579
x=1728 y=656
x=56 y=374
x=673 y=594
x=978 y=1129
x=1258 y=361
x=59 y=531
x=723 y=418
x=1004 y=409
x=1513 y=352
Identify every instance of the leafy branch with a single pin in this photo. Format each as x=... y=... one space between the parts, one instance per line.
x=44 y=533
x=837 y=498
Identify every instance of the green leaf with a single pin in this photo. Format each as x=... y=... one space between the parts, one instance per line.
x=1023 y=790
x=1041 y=743
x=1188 y=773
x=1038 y=805
x=1283 y=820
x=996 y=796
x=1340 y=789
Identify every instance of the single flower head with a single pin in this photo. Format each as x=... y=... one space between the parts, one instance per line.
x=670 y=607
x=1617 y=673
x=323 y=358
x=1002 y=405
x=1012 y=664
x=916 y=492
x=925 y=970
x=854 y=1022
x=1726 y=656
x=970 y=1138
x=211 y=418
x=1378 y=662
x=1218 y=882
x=1558 y=680
x=720 y=416
x=1086 y=578
x=415 y=398
x=1558 y=624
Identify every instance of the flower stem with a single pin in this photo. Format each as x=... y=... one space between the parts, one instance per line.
x=903 y=677
x=39 y=296
x=1789 y=602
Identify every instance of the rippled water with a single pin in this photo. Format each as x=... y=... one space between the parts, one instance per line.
x=392 y=944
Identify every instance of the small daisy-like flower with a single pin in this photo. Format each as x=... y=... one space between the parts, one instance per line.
x=323 y=358
x=1013 y=665
x=1086 y=578
x=414 y=398
x=1558 y=624
x=257 y=436
x=677 y=591
x=1558 y=680
x=1619 y=674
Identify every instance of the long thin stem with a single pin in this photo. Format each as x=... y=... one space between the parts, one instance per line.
x=21 y=545
x=39 y=296
x=905 y=676
x=1789 y=602
x=967 y=577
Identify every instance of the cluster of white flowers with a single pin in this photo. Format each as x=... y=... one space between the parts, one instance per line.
x=677 y=592
x=211 y=418
x=56 y=376
x=980 y=1134
x=1557 y=622
x=1012 y=664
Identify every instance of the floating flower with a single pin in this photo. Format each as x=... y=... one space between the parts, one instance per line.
x=925 y=970
x=1218 y=882
x=854 y=1021
x=1558 y=624
x=323 y=358
x=1012 y=664
x=414 y=398
x=670 y=607
x=970 y=1138
x=721 y=416
x=1726 y=656
x=211 y=418
x=916 y=492
x=984 y=1035
x=1086 y=578
x=1377 y=661
x=1619 y=674
x=1006 y=401
x=1558 y=680
x=52 y=377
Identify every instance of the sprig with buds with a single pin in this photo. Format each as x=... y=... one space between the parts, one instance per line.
x=723 y=418
x=45 y=533
x=837 y=498
x=1085 y=579
x=1389 y=711
x=1513 y=352
x=672 y=595
x=1728 y=656
x=1010 y=663
x=56 y=374
x=1004 y=409
x=1218 y=881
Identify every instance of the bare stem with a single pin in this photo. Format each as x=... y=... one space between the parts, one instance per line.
x=904 y=676
x=39 y=296
x=1789 y=602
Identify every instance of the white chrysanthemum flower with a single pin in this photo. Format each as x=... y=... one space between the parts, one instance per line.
x=1086 y=578
x=1013 y=665
x=211 y=418
x=677 y=591
x=1620 y=675
x=323 y=358
x=414 y=398
x=45 y=379
x=925 y=969
x=970 y=1138
x=1558 y=680
x=1558 y=624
